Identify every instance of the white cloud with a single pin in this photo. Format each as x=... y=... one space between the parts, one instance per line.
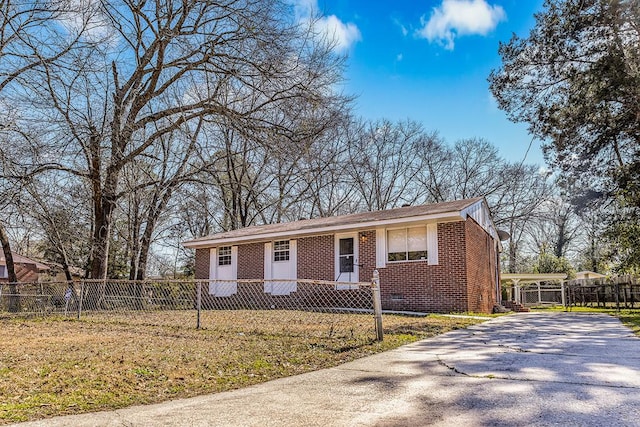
x=342 y=35
x=85 y=16
x=455 y=18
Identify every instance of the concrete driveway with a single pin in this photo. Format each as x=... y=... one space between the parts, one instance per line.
x=518 y=370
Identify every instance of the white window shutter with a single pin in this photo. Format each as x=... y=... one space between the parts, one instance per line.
x=432 y=244
x=268 y=271
x=234 y=262
x=213 y=263
x=293 y=258
x=381 y=248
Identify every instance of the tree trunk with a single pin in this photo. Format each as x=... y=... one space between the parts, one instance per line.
x=14 y=298
x=152 y=219
x=134 y=257
x=101 y=239
x=513 y=253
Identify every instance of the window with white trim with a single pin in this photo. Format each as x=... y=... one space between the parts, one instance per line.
x=407 y=244
x=281 y=250
x=224 y=255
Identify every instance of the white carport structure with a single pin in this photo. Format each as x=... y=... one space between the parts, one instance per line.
x=516 y=281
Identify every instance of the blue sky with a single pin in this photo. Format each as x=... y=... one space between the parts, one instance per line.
x=428 y=60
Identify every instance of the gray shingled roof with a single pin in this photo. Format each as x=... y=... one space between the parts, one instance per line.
x=296 y=227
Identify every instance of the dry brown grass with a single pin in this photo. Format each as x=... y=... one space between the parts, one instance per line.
x=58 y=366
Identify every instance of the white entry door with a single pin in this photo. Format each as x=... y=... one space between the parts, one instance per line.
x=223 y=271
x=346 y=259
x=280 y=267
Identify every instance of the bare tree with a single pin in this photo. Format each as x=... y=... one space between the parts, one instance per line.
x=384 y=162
x=161 y=69
x=59 y=216
x=30 y=38
x=326 y=179
x=557 y=227
x=435 y=175
x=517 y=207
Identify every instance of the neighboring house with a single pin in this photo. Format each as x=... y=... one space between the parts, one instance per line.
x=580 y=275
x=441 y=257
x=27 y=270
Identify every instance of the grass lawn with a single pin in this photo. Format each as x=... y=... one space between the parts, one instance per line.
x=58 y=366
x=630 y=318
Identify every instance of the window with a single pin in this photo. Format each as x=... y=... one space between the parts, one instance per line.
x=3 y=272
x=281 y=250
x=224 y=255
x=407 y=244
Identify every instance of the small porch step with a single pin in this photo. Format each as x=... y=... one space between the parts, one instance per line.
x=515 y=306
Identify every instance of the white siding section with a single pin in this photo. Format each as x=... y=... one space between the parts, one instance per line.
x=480 y=213
x=432 y=244
x=381 y=247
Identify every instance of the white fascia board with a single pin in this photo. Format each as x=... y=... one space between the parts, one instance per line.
x=533 y=277
x=252 y=238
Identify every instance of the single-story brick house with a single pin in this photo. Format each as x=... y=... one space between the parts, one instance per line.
x=441 y=257
x=27 y=270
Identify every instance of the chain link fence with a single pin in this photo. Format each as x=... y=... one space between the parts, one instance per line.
x=545 y=293
x=294 y=307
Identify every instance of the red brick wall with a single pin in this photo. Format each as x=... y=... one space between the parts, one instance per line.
x=202 y=263
x=481 y=267
x=25 y=273
x=316 y=258
x=251 y=261
x=462 y=281
x=417 y=286
x=366 y=254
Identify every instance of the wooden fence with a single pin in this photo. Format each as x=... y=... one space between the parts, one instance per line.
x=616 y=292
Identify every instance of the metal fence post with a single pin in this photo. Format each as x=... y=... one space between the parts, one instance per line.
x=81 y=299
x=198 y=302
x=377 y=304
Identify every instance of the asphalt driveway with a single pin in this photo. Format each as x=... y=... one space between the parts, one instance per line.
x=518 y=370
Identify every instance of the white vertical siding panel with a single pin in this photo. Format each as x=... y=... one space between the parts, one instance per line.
x=293 y=258
x=381 y=248
x=234 y=262
x=432 y=244
x=213 y=262
x=268 y=271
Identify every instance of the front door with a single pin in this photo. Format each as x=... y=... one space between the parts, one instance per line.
x=347 y=257
x=223 y=271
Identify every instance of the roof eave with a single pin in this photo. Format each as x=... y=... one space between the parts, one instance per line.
x=304 y=232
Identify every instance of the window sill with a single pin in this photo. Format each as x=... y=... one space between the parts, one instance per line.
x=411 y=261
